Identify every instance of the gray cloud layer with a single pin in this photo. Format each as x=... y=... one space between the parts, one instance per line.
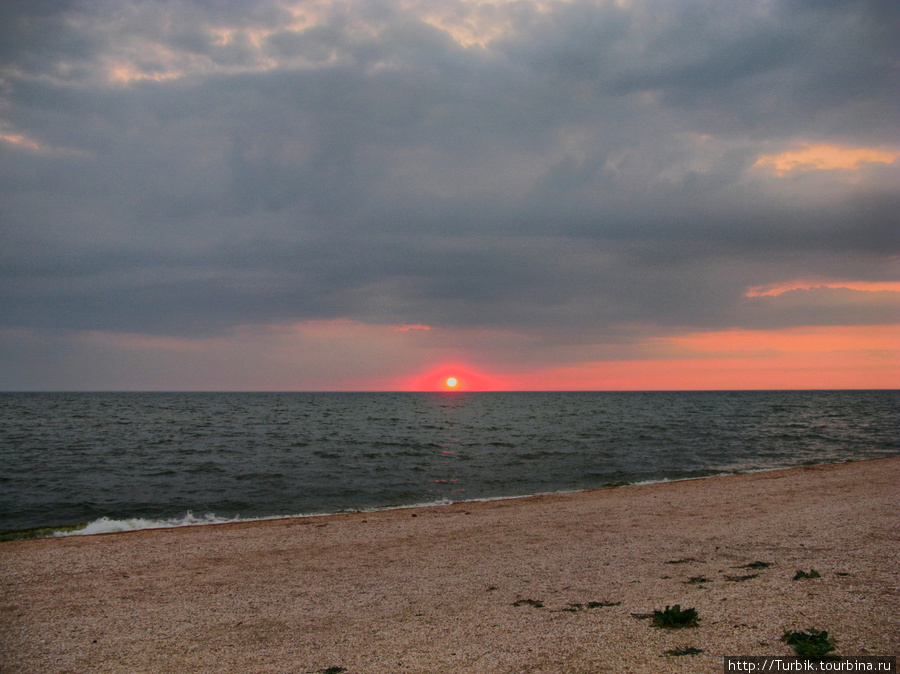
x=588 y=169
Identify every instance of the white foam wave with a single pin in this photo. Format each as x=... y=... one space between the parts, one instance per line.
x=106 y=525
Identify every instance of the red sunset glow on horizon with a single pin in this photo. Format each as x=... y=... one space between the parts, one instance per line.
x=842 y=357
x=452 y=377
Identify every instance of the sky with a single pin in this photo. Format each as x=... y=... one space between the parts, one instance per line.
x=378 y=195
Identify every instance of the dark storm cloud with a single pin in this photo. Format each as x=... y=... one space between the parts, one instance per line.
x=587 y=170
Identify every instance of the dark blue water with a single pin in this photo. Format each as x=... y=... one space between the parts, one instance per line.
x=74 y=458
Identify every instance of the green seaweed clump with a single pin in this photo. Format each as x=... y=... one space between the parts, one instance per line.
x=685 y=651
x=574 y=608
x=673 y=617
x=741 y=579
x=756 y=565
x=813 y=644
x=536 y=603
x=812 y=574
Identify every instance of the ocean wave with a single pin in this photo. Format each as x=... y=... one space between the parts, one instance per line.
x=107 y=525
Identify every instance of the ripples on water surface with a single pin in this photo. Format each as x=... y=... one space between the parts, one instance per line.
x=73 y=458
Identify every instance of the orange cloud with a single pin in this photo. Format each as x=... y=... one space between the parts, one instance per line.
x=474 y=22
x=20 y=141
x=797 y=372
x=852 y=340
x=839 y=357
x=775 y=289
x=406 y=327
x=822 y=157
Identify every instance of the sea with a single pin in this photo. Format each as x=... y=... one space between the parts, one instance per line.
x=81 y=463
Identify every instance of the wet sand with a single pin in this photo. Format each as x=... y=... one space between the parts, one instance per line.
x=476 y=587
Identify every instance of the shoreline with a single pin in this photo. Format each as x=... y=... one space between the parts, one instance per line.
x=130 y=524
x=455 y=587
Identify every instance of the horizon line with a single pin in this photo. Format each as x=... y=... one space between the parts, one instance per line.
x=447 y=392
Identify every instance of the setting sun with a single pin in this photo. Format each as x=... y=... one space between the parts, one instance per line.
x=450 y=376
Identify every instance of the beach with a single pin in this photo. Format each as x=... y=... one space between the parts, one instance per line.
x=549 y=583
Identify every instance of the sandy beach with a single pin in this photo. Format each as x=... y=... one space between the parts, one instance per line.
x=554 y=583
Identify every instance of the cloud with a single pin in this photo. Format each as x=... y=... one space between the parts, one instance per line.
x=568 y=173
x=773 y=290
x=825 y=158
